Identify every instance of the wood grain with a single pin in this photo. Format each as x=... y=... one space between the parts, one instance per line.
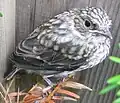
x=7 y=33
x=31 y=13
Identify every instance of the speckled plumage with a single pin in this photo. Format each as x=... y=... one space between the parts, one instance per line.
x=74 y=40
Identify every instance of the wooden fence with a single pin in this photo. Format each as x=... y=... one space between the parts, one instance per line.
x=31 y=13
x=7 y=33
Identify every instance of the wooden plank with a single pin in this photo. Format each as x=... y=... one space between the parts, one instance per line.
x=7 y=33
x=46 y=9
x=24 y=18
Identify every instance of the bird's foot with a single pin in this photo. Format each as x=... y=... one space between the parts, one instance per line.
x=48 y=81
x=71 y=75
x=59 y=86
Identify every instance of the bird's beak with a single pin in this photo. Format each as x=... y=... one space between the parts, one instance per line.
x=107 y=33
x=103 y=32
x=110 y=35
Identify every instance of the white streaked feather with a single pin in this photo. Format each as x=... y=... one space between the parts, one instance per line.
x=56 y=47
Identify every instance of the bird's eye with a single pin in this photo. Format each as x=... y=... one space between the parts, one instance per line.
x=87 y=23
x=95 y=26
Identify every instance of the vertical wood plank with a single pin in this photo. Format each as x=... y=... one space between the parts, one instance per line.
x=24 y=18
x=46 y=9
x=7 y=33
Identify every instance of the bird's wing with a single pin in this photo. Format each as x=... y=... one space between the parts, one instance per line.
x=52 y=46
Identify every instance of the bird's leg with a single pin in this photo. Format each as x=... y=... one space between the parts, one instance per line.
x=48 y=81
x=64 y=76
x=57 y=87
x=71 y=75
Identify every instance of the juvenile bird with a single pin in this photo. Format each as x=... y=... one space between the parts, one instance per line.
x=72 y=41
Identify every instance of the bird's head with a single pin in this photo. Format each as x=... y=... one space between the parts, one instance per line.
x=93 y=20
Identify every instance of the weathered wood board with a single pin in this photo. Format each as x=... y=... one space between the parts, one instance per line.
x=7 y=33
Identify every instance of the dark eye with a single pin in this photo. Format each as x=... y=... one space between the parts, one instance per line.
x=87 y=23
x=95 y=26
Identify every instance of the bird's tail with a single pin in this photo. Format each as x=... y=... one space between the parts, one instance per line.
x=11 y=74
